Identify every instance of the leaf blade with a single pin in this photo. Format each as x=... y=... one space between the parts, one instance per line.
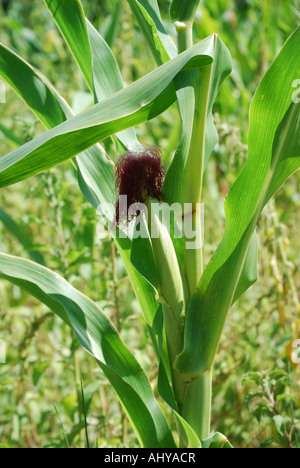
x=99 y=338
x=141 y=101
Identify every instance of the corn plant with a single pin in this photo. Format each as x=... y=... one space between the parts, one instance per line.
x=184 y=304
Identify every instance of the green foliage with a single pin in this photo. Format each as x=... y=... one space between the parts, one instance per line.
x=273 y=399
x=56 y=226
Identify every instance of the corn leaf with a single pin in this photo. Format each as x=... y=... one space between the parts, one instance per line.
x=69 y=17
x=93 y=55
x=43 y=99
x=187 y=432
x=98 y=337
x=216 y=440
x=274 y=155
x=141 y=101
x=111 y=31
x=147 y=15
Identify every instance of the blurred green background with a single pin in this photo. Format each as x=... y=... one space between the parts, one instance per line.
x=40 y=383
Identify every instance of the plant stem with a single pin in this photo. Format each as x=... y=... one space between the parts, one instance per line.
x=196 y=408
x=184 y=35
x=197 y=404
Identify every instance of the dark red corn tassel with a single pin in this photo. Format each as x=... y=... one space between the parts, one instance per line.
x=139 y=176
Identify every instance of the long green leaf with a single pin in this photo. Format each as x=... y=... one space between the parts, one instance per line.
x=141 y=101
x=43 y=99
x=112 y=29
x=148 y=17
x=98 y=337
x=98 y=64
x=7 y=133
x=274 y=155
x=69 y=16
x=26 y=81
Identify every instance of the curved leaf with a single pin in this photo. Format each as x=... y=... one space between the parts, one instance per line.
x=141 y=101
x=27 y=82
x=69 y=17
x=98 y=337
x=216 y=440
x=190 y=436
x=93 y=55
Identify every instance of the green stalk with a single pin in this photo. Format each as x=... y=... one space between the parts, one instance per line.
x=182 y=13
x=197 y=404
x=184 y=35
x=196 y=408
x=197 y=400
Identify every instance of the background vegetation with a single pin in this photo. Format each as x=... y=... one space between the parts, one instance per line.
x=40 y=383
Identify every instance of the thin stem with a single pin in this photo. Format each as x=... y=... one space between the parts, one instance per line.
x=62 y=426
x=184 y=35
x=196 y=407
x=85 y=417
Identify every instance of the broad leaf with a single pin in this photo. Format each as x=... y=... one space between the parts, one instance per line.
x=141 y=101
